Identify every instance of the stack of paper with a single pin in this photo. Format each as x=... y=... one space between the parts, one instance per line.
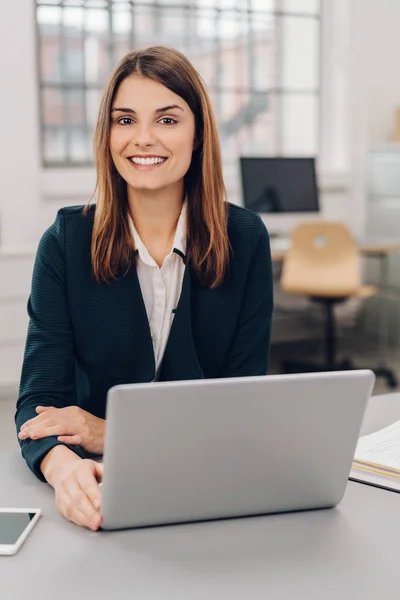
x=377 y=458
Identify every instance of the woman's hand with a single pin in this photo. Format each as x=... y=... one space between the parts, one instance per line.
x=72 y=425
x=75 y=481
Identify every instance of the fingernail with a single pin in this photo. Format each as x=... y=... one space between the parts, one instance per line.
x=22 y=435
x=23 y=427
x=93 y=522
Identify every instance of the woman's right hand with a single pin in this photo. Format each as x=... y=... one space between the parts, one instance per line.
x=75 y=481
x=78 y=494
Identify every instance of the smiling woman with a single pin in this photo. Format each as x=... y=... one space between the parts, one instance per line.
x=156 y=105
x=161 y=279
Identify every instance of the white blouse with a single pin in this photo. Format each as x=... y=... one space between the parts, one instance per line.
x=161 y=286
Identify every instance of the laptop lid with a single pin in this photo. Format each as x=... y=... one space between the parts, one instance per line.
x=206 y=449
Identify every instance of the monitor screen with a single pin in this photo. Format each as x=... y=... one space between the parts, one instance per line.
x=279 y=185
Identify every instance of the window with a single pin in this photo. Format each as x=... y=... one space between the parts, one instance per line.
x=259 y=58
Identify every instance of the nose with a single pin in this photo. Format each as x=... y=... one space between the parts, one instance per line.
x=144 y=136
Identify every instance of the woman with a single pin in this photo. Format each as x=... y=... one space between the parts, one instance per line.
x=161 y=279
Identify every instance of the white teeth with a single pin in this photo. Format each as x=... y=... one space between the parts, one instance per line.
x=147 y=161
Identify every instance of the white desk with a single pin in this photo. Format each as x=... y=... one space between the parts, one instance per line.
x=351 y=552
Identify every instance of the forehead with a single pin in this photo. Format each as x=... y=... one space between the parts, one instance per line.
x=143 y=93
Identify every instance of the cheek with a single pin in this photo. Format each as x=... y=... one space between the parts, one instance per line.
x=184 y=148
x=118 y=140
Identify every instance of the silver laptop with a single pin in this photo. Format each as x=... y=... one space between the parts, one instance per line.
x=208 y=449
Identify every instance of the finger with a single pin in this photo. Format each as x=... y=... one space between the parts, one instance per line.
x=74 y=514
x=33 y=422
x=88 y=482
x=70 y=439
x=42 y=430
x=81 y=519
x=99 y=469
x=80 y=506
x=42 y=409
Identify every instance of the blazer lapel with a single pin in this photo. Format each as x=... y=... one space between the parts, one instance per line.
x=180 y=359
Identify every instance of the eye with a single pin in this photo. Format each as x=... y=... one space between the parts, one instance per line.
x=172 y=121
x=124 y=120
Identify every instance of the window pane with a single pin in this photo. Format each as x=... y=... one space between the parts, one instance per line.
x=301 y=6
x=299 y=125
x=230 y=27
x=97 y=59
x=300 y=47
x=144 y=24
x=244 y=120
x=206 y=3
x=263 y=5
x=96 y=21
x=54 y=144
x=49 y=18
x=73 y=69
x=206 y=30
x=171 y=26
x=121 y=20
x=73 y=18
x=78 y=145
x=225 y=3
x=206 y=65
x=75 y=100
x=93 y=98
x=261 y=49
x=50 y=59
x=53 y=107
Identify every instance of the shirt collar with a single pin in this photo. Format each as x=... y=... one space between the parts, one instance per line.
x=178 y=245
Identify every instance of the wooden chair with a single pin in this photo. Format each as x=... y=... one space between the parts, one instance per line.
x=323 y=263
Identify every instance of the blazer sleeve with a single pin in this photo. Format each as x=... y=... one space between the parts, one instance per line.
x=249 y=352
x=48 y=375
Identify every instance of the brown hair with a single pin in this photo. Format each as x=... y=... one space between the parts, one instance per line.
x=208 y=244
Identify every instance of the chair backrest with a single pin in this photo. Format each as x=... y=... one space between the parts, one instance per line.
x=323 y=261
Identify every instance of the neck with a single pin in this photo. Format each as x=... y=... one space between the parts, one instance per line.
x=155 y=213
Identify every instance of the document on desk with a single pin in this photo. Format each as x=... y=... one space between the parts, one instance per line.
x=377 y=458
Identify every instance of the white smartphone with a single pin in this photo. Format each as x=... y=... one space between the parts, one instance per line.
x=15 y=525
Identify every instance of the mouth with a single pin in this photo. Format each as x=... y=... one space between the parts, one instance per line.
x=148 y=163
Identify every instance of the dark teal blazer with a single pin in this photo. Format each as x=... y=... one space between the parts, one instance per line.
x=85 y=337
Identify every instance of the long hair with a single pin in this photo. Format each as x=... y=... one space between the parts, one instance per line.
x=112 y=249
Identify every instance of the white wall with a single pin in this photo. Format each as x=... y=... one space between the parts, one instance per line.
x=19 y=164
x=374 y=86
x=376 y=49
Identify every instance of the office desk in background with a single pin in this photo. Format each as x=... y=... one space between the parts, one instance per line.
x=369 y=248
x=350 y=552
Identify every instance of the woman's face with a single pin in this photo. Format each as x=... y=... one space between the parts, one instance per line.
x=152 y=134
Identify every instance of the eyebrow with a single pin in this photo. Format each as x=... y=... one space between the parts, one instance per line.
x=158 y=110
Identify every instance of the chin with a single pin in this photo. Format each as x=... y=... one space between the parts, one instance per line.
x=144 y=186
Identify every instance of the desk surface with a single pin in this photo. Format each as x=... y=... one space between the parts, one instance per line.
x=367 y=247
x=348 y=552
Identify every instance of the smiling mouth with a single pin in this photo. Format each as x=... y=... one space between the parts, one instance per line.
x=155 y=161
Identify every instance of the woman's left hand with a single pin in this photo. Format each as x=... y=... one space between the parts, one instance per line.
x=71 y=425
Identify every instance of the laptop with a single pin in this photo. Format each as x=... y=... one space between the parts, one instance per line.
x=209 y=449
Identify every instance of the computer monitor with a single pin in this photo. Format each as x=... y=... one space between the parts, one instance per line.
x=279 y=185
